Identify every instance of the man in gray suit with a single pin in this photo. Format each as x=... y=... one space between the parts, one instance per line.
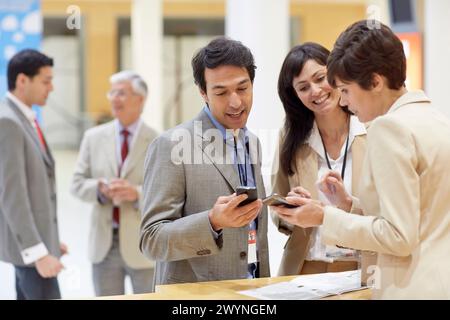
x=28 y=221
x=192 y=223
x=109 y=175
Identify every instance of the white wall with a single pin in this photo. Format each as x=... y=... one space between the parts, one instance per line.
x=146 y=44
x=437 y=52
x=61 y=113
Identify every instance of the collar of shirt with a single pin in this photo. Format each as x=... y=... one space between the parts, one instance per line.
x=228 y=133
x=132 y=128
x=315 y=141
x=26 y=110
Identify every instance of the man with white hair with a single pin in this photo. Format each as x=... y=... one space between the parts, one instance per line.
x=109 y=174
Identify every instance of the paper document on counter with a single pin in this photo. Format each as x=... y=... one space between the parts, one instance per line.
x=308 y=287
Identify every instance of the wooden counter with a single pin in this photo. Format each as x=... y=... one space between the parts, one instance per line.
x=223 y=290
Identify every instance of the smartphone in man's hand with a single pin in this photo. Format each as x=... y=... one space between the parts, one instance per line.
x=251 y=192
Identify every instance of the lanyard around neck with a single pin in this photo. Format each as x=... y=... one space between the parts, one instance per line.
x=345 y=155
x=242 y=171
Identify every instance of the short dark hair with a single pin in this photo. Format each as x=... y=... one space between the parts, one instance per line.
x=28 y=62
x=222 y=51
x=366 y=48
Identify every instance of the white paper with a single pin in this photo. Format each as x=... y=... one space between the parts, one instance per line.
x=308 y=287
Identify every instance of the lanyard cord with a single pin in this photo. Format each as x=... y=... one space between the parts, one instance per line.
x=242 y=172
x=345 y=155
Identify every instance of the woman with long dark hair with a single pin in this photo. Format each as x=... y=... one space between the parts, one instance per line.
x=318 y=136
x=404 y=179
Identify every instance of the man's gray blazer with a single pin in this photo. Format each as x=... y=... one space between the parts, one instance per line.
x=175 y=229
x=27 y=188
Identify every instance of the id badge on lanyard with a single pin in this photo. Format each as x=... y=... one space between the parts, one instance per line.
x=252 y=247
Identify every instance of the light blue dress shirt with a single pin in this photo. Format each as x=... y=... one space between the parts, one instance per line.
x=241 y=158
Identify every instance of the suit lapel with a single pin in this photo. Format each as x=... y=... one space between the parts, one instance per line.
x=110 y=149
x=307 y=170
x=137 y=149
x=254 y=150
x=255 y=153
x=47 y=156
x=310 y=170
x=358 y=153
x=227 y=170
x=306 y=176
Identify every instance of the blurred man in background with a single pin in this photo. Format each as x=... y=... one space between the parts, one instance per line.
x=109 y=174
x=28 y=218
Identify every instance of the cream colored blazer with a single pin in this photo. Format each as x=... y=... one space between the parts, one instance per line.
x=97 y=159
x=404 y=195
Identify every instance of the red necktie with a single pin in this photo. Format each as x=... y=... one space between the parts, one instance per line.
x=40 y=135
x=124 y=154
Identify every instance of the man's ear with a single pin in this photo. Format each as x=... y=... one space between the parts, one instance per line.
x=378 y=82
x=21 y=80
x=142 y=102
x=204 y=95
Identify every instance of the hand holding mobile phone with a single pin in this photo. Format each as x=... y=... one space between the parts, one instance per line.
x=277 y=200
x=251 y=192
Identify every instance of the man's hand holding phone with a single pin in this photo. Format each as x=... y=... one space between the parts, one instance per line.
x=226 y=212
x=251 y=192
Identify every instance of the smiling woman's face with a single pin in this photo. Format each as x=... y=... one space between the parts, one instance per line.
x=312 y=88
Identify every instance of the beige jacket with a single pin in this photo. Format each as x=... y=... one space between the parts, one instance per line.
x=405 y=199
x=297 y=246
x=97 y=159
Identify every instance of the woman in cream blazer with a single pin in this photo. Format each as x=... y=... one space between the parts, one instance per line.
x=405 y=176
x=314 y=123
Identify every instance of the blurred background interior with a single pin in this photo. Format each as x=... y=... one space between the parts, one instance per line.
x=92 y=39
